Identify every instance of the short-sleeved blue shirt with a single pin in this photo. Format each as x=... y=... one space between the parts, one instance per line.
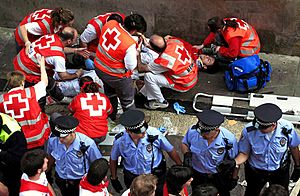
x=137 y=158
x=206 y=157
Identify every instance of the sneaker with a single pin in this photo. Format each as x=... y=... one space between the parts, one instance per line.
x=153 y=105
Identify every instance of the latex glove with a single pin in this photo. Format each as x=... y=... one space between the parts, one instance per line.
x=116 y=184
x=296 y=174
x=226 y=166
x=187 y=159
x=178 y=108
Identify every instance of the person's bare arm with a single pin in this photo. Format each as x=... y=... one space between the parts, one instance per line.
x=3 y=190
x=68 y=76
x=241 y=158
x=113 y=168
x=41 y=61
x=140 y=66
x=184 y=148
x=80 y=51
x=295 y=155
x=51 y=189
x=24 y=34
x=175 y=157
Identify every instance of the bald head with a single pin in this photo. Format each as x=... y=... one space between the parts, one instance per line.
x=157 y=43
x=68 y=35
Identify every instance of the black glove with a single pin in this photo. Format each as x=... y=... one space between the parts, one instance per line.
x=187 y=159
x=116 y=184
x=296 y=174
x=226 y=167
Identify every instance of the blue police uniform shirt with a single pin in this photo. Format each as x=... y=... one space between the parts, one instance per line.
x=137 y=158
x=69 y=162
x=206 y=157
x=266 y=153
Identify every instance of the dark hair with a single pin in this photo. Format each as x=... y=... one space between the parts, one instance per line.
x=205 y=190
x=214 y=24
x=61 y=15
x=177 y=176
x=97 y=171
x=32 y=161
x=135 y=22
x=275 y=189
x=230 y=23
x=157 y=48
x=84 y=79
x=116 y=17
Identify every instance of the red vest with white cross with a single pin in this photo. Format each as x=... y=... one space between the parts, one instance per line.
x=43 y=18
x=182 y=74
x=111 y=50
x=98 y=22
x=92 y=110
x=47 y=46
x=24 y=108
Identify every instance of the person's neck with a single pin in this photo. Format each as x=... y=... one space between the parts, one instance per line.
x=210 y=140
x=36 y=177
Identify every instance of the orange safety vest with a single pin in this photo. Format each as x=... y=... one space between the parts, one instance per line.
x=98 y=22
x=47 y=46
x=43 y=18
x=111 y=50
x=24 y=108
x=250 y=40
x=183 y=73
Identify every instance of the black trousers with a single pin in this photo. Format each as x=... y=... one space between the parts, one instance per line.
x=256 y=178
x=202 y=178
x=67 y=187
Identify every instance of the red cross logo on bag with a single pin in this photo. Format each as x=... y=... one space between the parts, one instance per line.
x=95 y=106
x=184 y=57
x=16 y=100
x=111 y=39
x=41 y=14
x=44 y=42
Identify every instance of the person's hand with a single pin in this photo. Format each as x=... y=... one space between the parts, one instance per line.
x=187 y=159
x=226 y=166
x=144 y=39
x=198 y=47
x=116 y=184
x=296 y=174
x=40 y=60
x=79 y=72
x=82 y=52
x=27 y=47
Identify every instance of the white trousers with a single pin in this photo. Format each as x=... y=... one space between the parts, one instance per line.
x=153 y=82
x=71 y=88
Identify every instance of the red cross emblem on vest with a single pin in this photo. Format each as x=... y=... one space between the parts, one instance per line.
x=183 y=55
x=41 y=14
x=44 y=42
x=95 y=106
x=111 y=39
x=16 y=100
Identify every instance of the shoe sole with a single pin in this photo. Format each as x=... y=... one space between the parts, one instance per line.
x=155 y=107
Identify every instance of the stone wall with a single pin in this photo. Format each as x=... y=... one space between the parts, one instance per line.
x=277 y=21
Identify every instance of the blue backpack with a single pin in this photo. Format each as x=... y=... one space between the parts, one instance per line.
x=248 y=74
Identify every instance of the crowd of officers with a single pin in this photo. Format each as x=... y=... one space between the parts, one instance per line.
x=113 y=47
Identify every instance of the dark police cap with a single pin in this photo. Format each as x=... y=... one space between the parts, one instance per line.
x=134 y=121
x=267 y=113
x=64 y=125
x=209 y=120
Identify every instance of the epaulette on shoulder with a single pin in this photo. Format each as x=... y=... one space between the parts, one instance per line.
x=119 y=135
x=251 y=128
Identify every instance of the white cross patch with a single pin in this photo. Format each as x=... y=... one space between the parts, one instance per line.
x=21 y=110
x=37 y=15
x=44 y=42
x=88 y=106
x=111 y=45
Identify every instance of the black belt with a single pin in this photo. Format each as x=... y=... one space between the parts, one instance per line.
x=67 y=181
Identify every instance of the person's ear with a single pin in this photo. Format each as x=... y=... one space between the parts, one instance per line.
x=39 y=171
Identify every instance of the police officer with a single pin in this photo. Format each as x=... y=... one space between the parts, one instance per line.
x=72 y=153
x=264 y=145
x=141 y=148
x=205 y=146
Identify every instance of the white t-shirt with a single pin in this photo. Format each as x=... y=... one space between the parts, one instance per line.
x=42 y=181
x=88 y=34
x=40 y=89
